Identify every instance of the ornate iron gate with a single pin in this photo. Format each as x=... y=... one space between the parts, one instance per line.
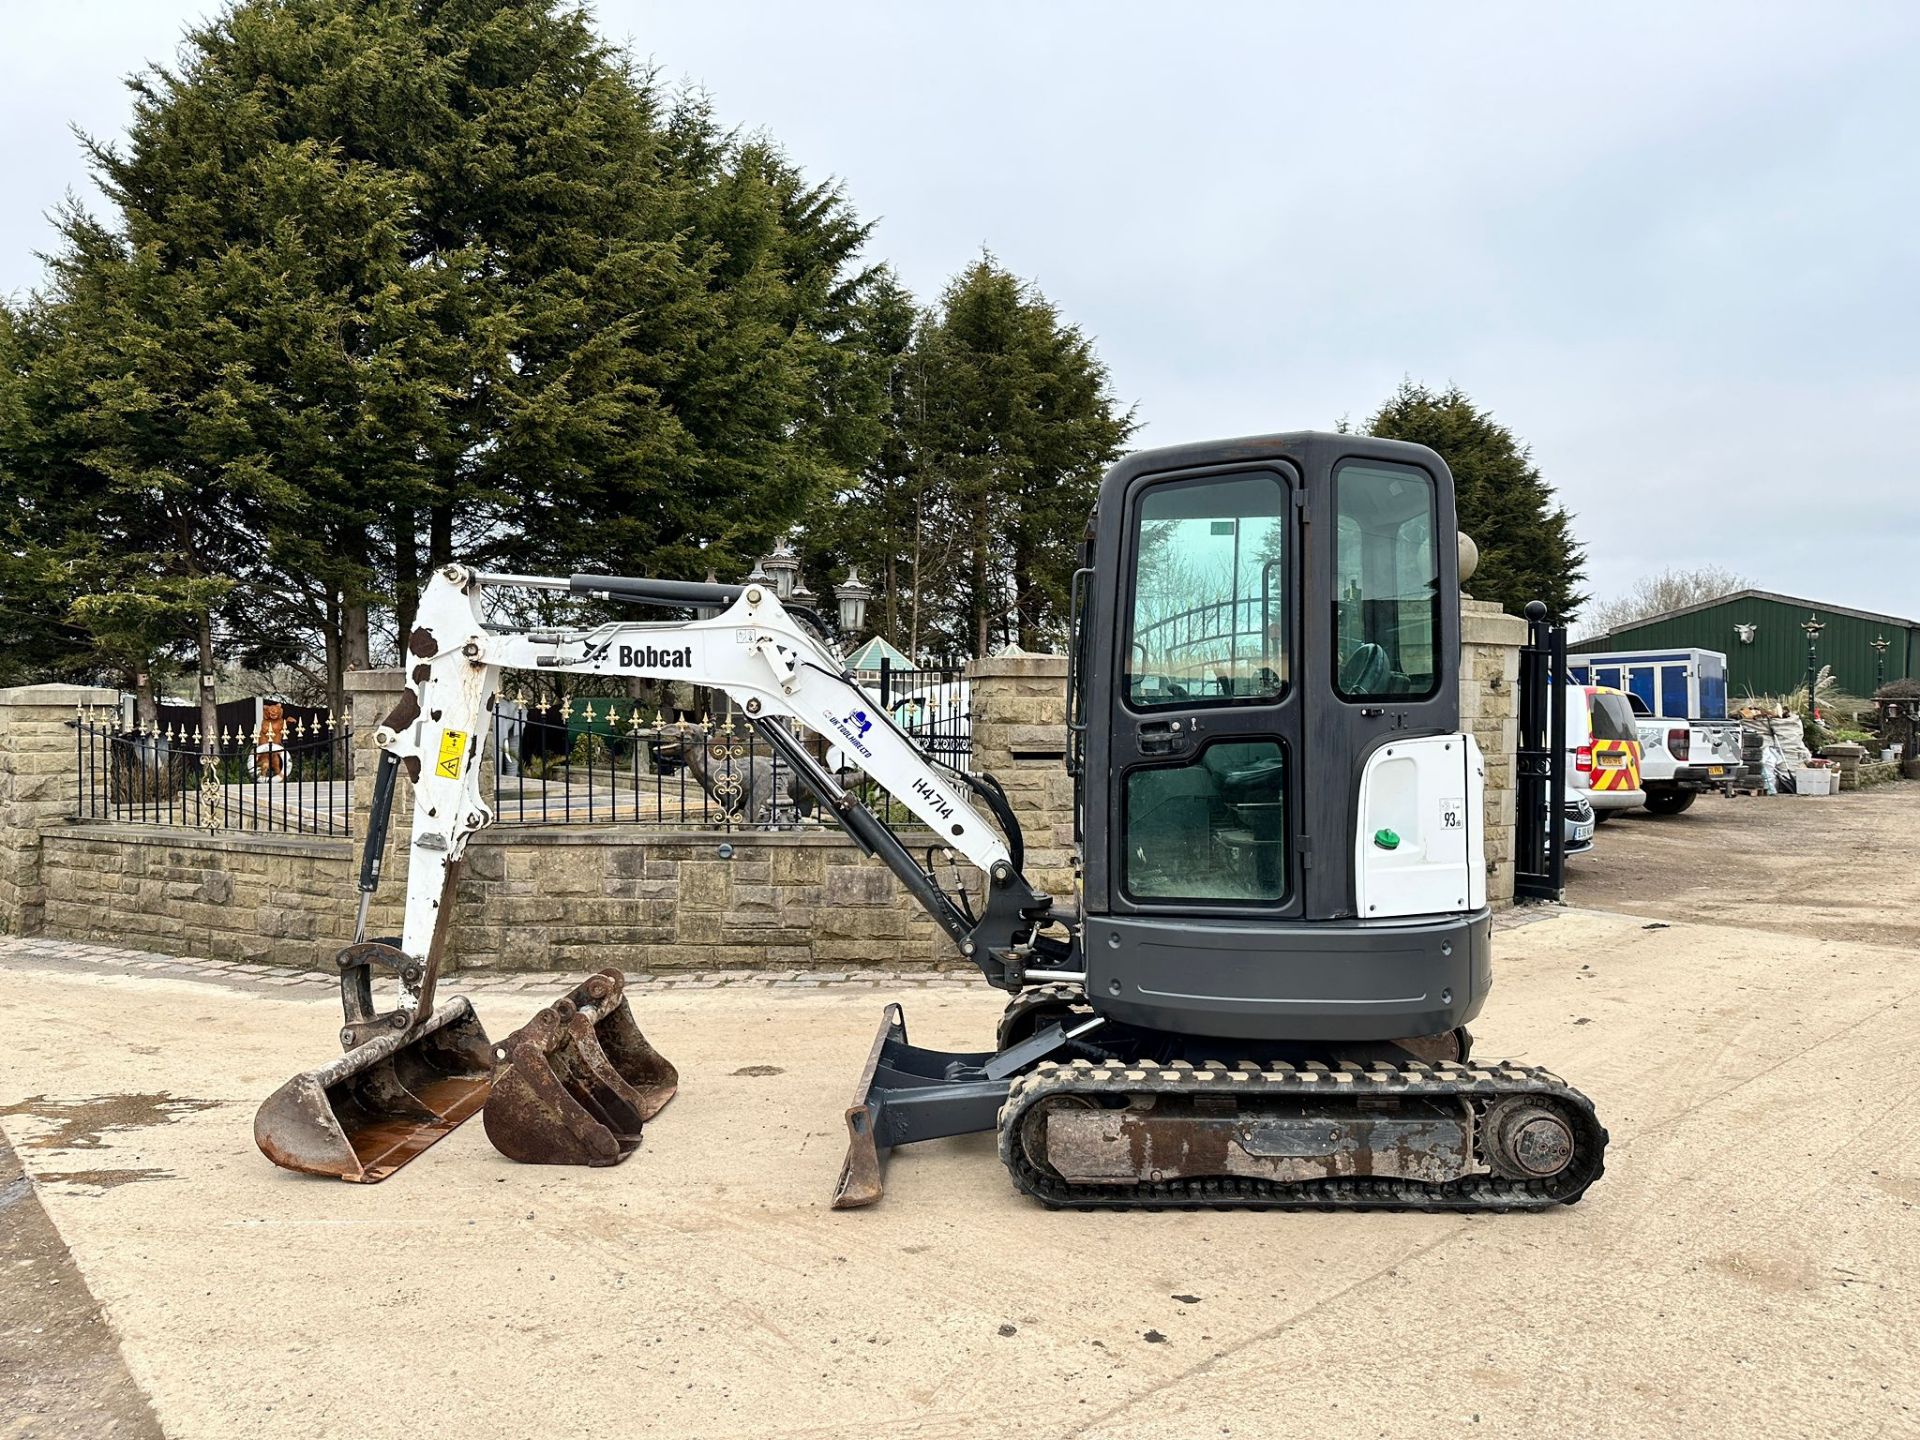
x=1540 y=762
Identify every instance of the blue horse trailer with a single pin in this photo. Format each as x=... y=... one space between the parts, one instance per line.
x=1680 y=684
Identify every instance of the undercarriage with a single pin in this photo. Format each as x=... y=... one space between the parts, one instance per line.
x=1114 y=1117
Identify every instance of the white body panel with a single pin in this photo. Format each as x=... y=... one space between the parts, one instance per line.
x=1428 y=793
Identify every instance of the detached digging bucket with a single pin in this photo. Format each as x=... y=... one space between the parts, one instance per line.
x=366 y=1114
x=575 y=1084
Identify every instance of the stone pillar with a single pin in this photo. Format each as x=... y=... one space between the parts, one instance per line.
x=1019 y=705
x=1490 y=641
x=39 y=781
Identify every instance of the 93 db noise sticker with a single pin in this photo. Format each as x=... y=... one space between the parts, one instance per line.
x=453 y=748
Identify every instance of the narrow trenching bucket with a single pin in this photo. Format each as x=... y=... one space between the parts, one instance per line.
x=366 y=1114
x=575 y=1084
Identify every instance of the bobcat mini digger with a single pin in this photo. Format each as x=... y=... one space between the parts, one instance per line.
x=1261 y=995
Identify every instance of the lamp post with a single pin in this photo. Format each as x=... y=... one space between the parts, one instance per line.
x=1880 y=643
x=1813 y=628
x=852 y=593
x=707 y=612
x=782 y=567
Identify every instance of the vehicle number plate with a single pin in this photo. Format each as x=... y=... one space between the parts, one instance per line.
x=1716 y=770
x=1610 y=760
x=1582 y=833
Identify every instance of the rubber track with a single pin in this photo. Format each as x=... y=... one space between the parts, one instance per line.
x=1483 y=1192
x=1038 y=997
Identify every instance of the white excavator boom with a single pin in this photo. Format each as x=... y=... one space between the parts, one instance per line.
x=756 y=650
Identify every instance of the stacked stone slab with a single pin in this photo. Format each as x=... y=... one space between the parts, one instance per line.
x=1490 y=641
x=39 y=783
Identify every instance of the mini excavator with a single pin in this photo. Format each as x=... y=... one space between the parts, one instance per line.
x=1259 y=996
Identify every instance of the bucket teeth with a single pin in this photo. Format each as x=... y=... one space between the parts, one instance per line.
x=575 y=1084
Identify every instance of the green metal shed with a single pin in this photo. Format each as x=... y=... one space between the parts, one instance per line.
x=1760 y=633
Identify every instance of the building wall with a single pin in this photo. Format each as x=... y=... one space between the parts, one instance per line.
x=1776 y=662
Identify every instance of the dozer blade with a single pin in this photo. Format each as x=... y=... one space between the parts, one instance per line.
x=366 y=1114
x=575 y=1084
x=907 y=1093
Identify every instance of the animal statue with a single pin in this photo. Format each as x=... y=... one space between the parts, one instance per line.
x=745 y=786
x=270 y=745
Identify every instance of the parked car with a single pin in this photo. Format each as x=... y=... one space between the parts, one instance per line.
x=1680 y=758
x=1576 y=819
x=1603 y=750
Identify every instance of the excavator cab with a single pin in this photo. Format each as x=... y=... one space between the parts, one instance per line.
x=1281 y=816
x=1283 y=926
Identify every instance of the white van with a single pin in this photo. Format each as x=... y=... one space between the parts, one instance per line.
x=1603 y=750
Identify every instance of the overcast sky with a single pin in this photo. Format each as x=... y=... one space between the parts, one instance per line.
x=1673 y=246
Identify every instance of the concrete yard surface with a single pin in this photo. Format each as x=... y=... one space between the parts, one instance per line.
x=1828 y=867
x=1746 y=1266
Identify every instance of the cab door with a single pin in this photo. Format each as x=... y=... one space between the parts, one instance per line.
x=1203 y=723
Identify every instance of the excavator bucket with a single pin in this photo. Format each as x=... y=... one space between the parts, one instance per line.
x=366 y=1114
x=575 y=1084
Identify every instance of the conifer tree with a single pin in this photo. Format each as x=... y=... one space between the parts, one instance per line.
x=1013 y=422
x=1527 y=548
x=391 y=282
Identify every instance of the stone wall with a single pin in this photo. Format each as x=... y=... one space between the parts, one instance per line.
x=278 y=899
x=548 y=899
x=1869 y=773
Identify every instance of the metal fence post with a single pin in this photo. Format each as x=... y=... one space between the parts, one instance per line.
x=1540 y=761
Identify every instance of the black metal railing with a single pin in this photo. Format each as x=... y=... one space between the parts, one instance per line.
x=295 y=777
x=935 y=707
x=607 y=762
x=1540 y=762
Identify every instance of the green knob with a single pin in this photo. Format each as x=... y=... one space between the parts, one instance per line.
x=1386 y=839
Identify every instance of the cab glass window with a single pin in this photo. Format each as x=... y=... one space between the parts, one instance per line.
x=1386 y=597
x=1214 y=829
x=1209 y=592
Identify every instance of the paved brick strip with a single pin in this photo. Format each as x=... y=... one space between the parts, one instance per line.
x=46 y=953
x=43 y=953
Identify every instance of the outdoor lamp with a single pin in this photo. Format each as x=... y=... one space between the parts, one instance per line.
x=852 y=594
x=782 y=566
x=707 y=612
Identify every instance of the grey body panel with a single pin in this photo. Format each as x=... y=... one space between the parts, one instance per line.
x=1303 y=980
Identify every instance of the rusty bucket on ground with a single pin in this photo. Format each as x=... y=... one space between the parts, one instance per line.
x=388 y=1098
x=575 y=1084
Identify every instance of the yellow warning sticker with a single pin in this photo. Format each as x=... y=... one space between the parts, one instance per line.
x=453 y=748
